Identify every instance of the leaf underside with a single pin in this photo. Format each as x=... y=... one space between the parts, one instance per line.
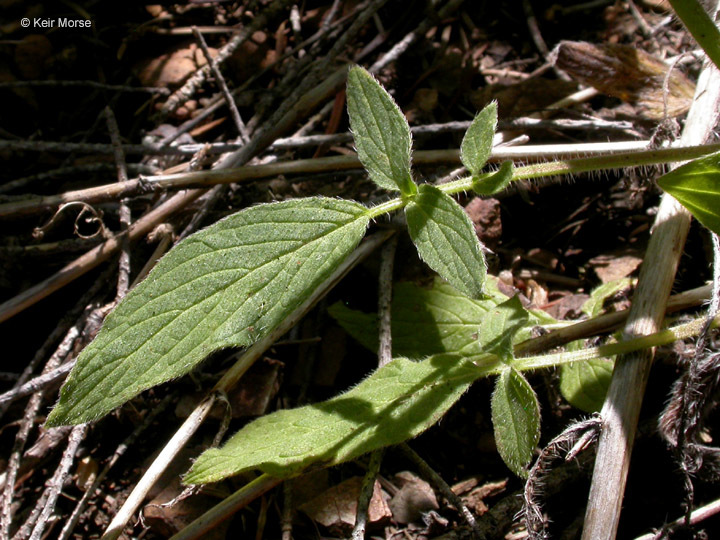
x=225 y=286
x=516 y=420
x=446 y=240
x=396 y=403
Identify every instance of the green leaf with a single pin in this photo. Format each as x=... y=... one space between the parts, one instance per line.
x=701 y=26
x=381 y=133
x=495 y=182
x=434 y=320
x=477 y=144
x=584 y=384
x=397 y=402
x=446 y=240
x=516 y=420
x=697 y=186
x=499 y=327
x=226 y=286
x=594 y=305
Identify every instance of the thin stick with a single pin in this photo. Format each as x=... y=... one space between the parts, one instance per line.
x=237 y=119
x=228 y=507
x=26 y=425
x=366 y=492
x=119 y=451
x=95 y=256
x=622 y=405
x=605 y=323
x=58 y=480
x=198 y=78
x=427 y=472
x=601 y=156
x=125 y=216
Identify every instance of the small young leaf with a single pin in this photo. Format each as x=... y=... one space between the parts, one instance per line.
x=446 y=240
x=496 y=182
x=499 y=326
x=225 y=286
x=381 y=133
x=516 y=420
x=696 y=185
x=584 y=384
x=394 y=404
x=477 y=144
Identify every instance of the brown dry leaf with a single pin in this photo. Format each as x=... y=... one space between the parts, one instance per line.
x=627 y=73
x=336 y=508
x=614 y=266
x=414 y=498
x=173 y=68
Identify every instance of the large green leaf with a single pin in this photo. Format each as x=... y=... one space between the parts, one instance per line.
x=381 y=133
x=225 y=286
x=516 y=420
x=697 y=186
x=477 y=143
x=396 y=403
x=446 y=239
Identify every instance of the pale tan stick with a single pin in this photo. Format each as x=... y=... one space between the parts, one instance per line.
x=228 y=380
x=95 y=256
x=184 y=180
x=622 y=405
x=236 y=501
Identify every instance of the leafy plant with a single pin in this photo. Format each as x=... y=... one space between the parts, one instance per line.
x=231 y=284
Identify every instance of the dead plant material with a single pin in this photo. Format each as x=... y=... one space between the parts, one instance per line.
x=629 y=74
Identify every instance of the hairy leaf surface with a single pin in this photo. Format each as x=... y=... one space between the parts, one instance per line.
x=396 y=403
x=584 y=384
x=477 y=144
x=446 y=240
x=381 y=133
x=516 y=420
x=489 y=185
x=499 y=327
x=432 y=320
x=697 y=186
x=225 y=286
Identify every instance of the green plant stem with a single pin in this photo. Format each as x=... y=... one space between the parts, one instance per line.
x=566 y=166
x=664 y=337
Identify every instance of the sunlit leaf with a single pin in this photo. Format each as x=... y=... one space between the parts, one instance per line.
x=477 y=144
x=697 y=186
x=225 y=286
x=381 y=133
x=394 y=404
x=516 y=420
x=446 y=239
